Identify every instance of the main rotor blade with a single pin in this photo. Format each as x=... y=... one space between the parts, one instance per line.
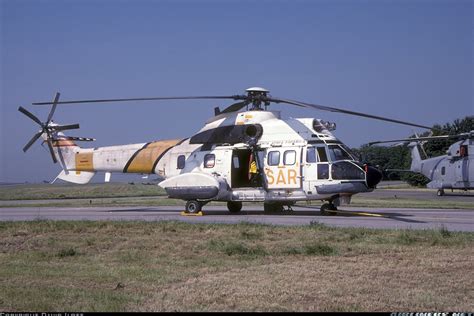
x=53 y=108
x=30 y=115
x=235 y=107
x=339 y=110
x=32 y=140
x=51 y=150
x=64 y=127
x=417 y=139
x=232 y=97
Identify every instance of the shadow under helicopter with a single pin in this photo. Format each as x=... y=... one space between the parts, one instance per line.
x=257 y=212
x=460 y=194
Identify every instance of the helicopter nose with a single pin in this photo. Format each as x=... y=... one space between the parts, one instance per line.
x=373 y=176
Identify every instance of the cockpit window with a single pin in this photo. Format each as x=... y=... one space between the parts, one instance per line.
x=336 y=153
x=354 y=156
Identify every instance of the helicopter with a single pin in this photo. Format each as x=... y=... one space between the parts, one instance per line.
x=237 y=156
x=455 y=170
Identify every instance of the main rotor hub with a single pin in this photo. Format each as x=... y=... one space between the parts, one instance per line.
x=257 y=89
x=257 y=95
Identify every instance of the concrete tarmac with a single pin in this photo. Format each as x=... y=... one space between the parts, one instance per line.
x=391 y=218
x=347 y=216
x=421 y=194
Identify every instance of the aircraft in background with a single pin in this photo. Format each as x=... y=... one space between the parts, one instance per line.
x=455 y=170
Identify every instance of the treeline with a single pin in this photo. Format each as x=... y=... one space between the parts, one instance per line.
x=399 y=157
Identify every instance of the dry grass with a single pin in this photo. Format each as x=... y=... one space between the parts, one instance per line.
x=409 y=281
x=168 y=266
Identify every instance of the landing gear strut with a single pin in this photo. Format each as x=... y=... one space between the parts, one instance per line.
x=327 y=207
x=272 y=207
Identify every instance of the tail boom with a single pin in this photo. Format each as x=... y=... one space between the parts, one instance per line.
x=82 y=163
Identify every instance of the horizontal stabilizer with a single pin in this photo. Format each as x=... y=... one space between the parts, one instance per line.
x=78 y=177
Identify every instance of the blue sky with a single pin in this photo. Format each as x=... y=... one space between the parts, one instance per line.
x=409 y=60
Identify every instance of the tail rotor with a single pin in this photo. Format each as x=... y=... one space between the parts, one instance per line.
x=49 y=128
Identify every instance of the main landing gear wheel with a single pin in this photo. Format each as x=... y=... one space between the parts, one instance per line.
x=234 y=207
x=193 y=206
x=326 y=209
x=440 y=192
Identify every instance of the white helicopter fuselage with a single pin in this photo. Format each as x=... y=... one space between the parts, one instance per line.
x=297 y=159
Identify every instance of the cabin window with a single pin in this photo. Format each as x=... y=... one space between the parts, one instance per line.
x=289 y=157
x=443 y=171
x=311 y=155
x=322 y=154
x=273 y=158
x=209 y=161
x=181 y=162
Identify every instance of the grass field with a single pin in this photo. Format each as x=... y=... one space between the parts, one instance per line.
x=174 y=266
x=74 y=191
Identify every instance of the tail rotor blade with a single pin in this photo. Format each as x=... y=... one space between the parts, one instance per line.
x=32 y=141
x=61 y=160
x=64 y=127
x=53 y=108
x=51 y=150
x=80 y=139
x=30 y=115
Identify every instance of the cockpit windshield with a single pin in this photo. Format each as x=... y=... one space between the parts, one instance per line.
x=337 y=152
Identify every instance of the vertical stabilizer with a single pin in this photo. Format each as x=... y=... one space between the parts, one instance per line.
x=415 y=157
x=64 y=149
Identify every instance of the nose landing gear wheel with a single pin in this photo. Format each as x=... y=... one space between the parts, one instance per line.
x=326 y=209
x=193 y=207
x=440 y=192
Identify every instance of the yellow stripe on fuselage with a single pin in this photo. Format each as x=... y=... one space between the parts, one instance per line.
x=145 y=158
